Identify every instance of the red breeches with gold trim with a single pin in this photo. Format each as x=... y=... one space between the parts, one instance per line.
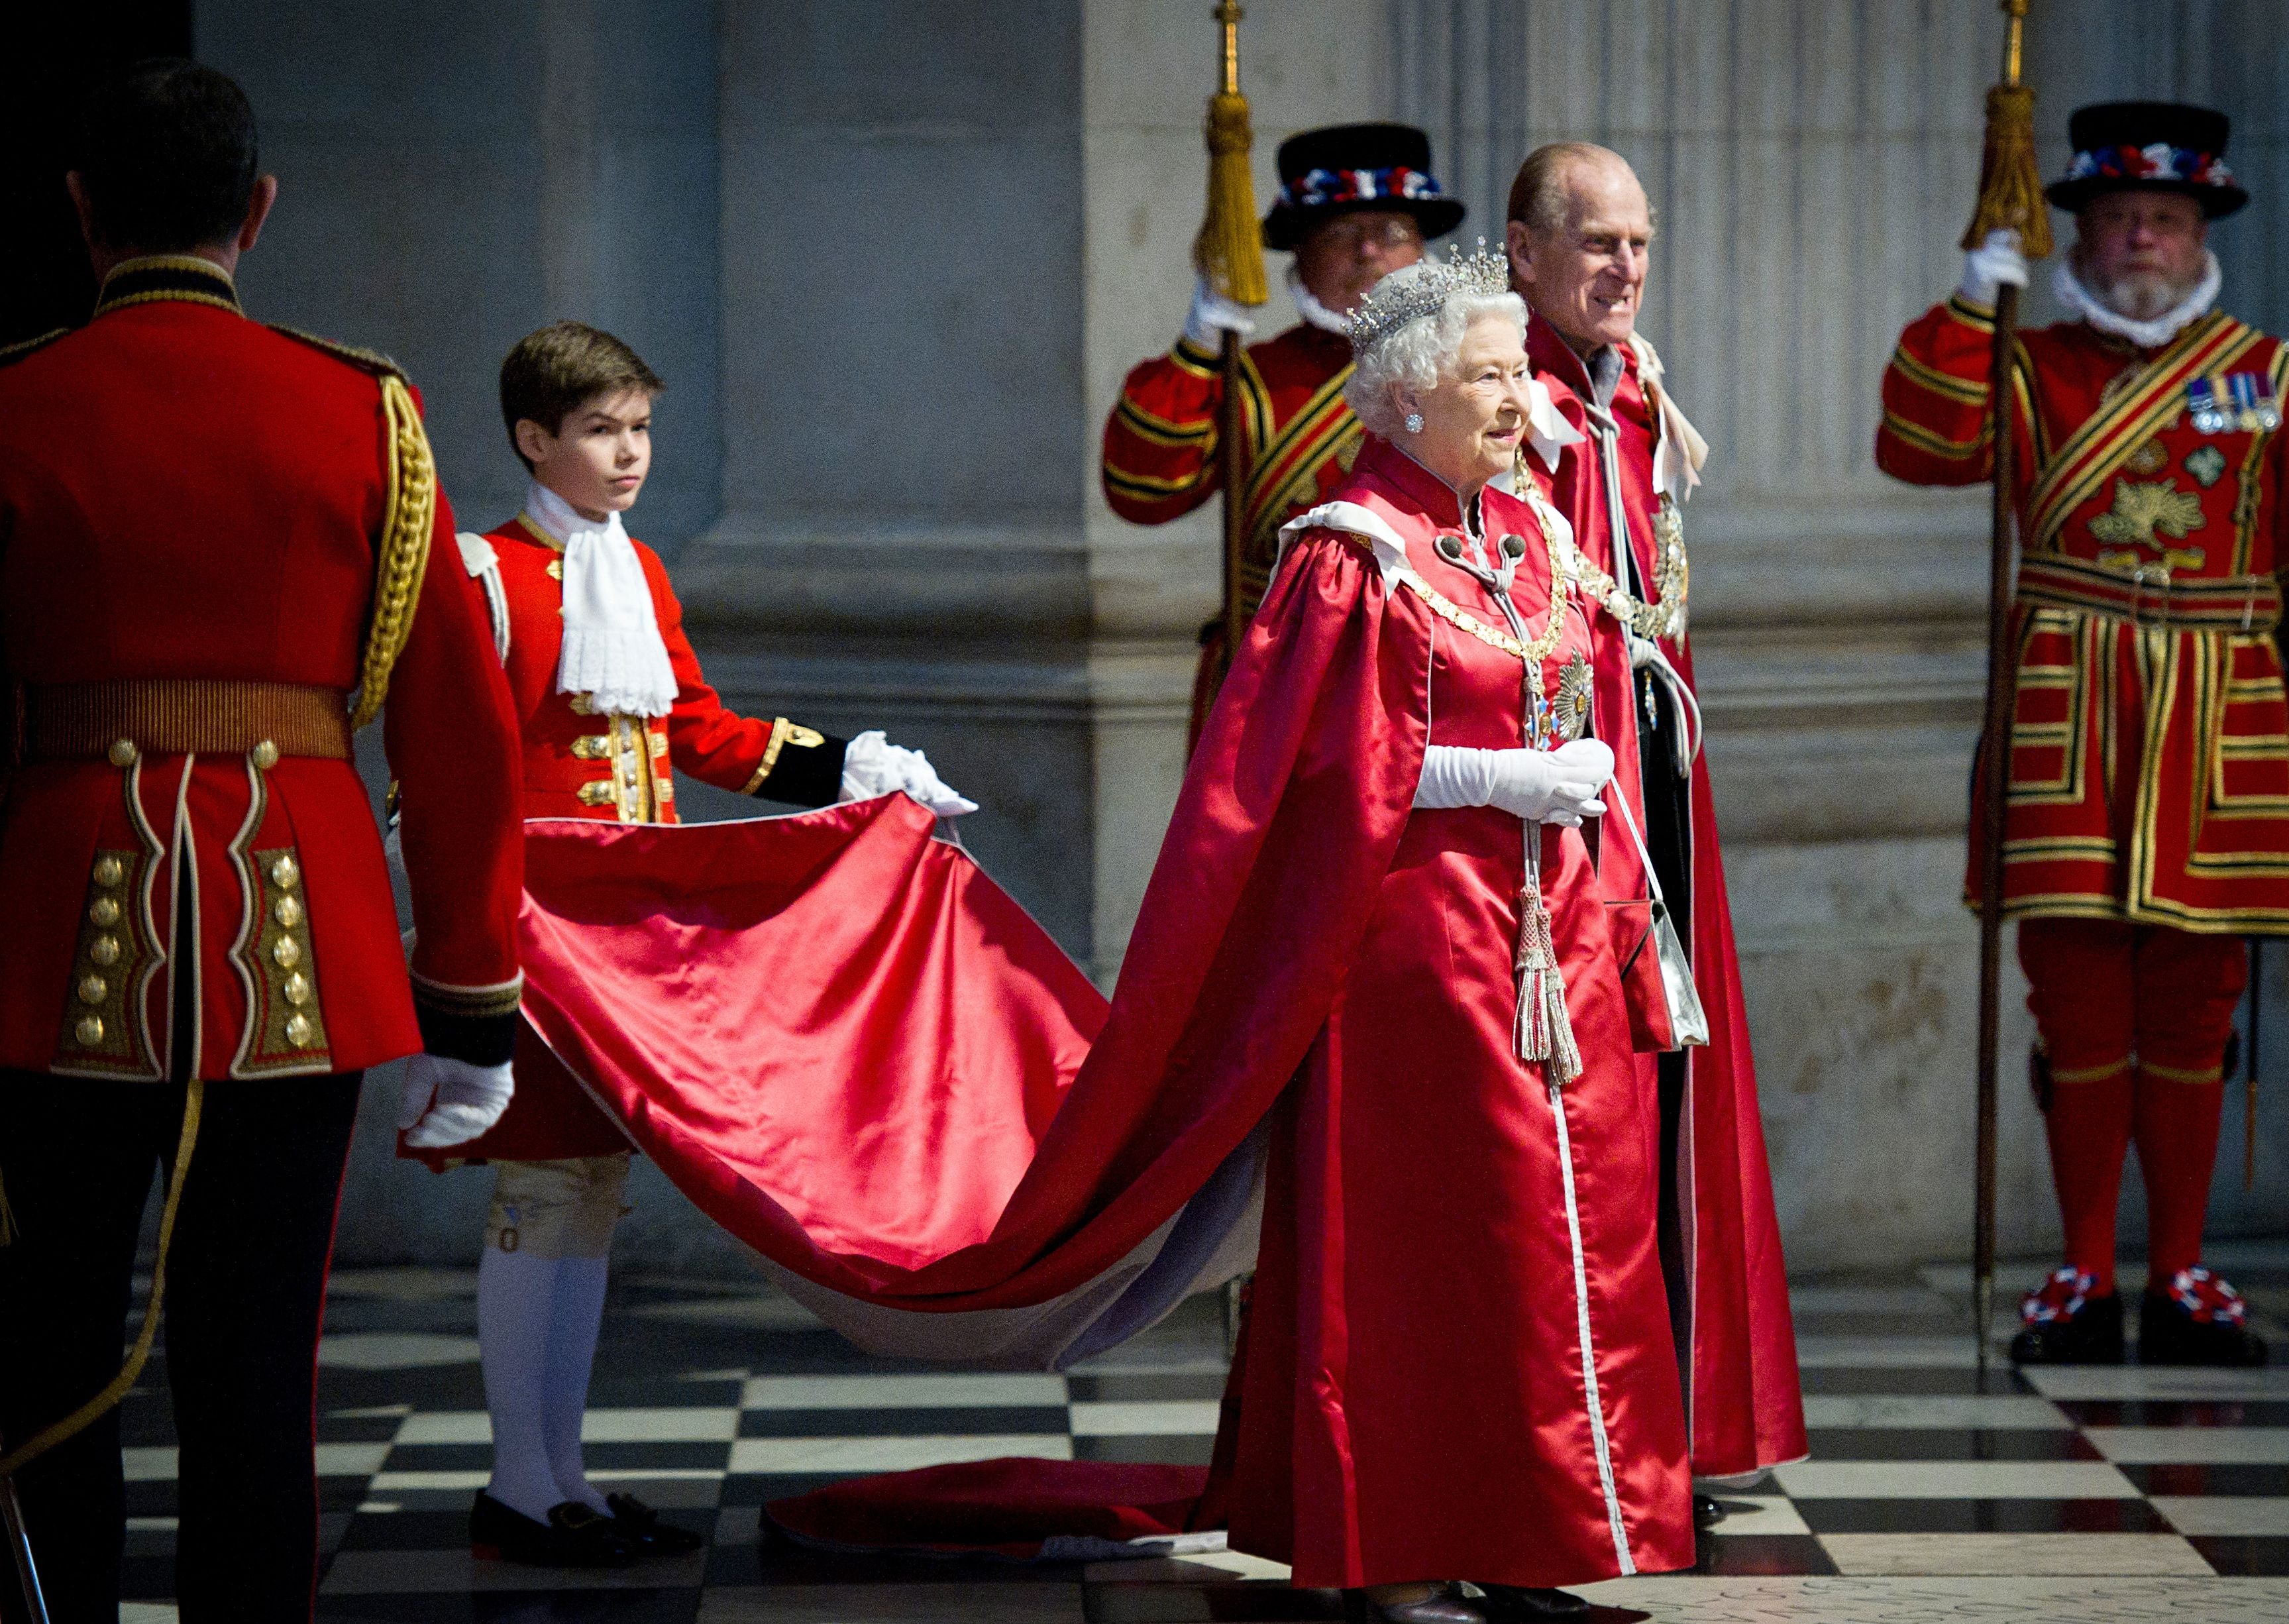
x=2134 y=1021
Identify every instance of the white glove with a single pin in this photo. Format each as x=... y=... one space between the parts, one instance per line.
x=873 y=766
x=1212 y=316
x=1558 y=785
x=467 y=1099
x=1988 y=267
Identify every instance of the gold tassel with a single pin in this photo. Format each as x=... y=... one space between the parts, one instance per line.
x=2010 y=181
x=1545 y=1031
x=1229 y=251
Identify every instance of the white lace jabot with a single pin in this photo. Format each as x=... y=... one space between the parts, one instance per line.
x=612 y=647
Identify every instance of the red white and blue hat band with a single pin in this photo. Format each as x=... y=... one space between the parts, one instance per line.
x=2159 y=162
x=1320 y=188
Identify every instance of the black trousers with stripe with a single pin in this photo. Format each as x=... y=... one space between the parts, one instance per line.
x=245 y=1294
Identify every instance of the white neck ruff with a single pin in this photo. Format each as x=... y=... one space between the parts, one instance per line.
x=1314 y=313
x=2147 y=334
x=613 y=650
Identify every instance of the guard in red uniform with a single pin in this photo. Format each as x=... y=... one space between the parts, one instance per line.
x=215 y=543
x=1356 y=201
x=1578 y=229
x=2148 y=821
x=610 y=703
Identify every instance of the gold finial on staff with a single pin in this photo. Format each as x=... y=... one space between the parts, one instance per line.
x=2010 y=182
x=1229 y=251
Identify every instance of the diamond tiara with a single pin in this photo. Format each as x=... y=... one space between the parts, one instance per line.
x=1424 y=292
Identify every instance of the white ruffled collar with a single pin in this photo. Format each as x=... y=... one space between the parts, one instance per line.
x=2150 y=334
x=1314 y=313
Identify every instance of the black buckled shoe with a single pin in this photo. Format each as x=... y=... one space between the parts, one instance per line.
x=574 y=1536
x=1519 y=1604
x=1443 y=1605
x=643 y=1527
x=2197 y=1321
x=2062 y=1324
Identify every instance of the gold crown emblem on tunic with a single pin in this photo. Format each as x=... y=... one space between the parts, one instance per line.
x=1423 y=290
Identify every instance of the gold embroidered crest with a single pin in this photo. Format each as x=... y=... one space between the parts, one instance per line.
x=2142 y=513
x=2148 y=458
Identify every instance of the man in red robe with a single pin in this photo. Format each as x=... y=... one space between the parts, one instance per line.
x=2148 y=819
x=1578 y=229
x=1356 y=201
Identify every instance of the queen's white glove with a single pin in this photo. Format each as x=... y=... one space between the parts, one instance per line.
x=872 y=765
x=450 y=1102
x=1212 y=316
x=1558 y=785
x=1990 y=267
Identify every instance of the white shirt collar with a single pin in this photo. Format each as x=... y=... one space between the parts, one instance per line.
x=560 y=519
x=2146 y=335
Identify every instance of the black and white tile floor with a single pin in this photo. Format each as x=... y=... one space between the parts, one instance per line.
x=2083 y=1495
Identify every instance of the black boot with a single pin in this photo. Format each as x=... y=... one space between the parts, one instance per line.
x=2064 y=1324
x=645 y=1529
x=2197 y=1321
x=1708 y=1511
x=1522 y=1604
x=574 y=1536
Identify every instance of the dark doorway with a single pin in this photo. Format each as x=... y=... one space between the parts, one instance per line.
x=54 y=49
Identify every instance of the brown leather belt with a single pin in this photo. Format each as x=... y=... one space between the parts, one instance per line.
x=179 y=715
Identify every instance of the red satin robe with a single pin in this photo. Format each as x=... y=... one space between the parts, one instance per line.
x=1435 y=1304
x=1746 y=1406
x=1458 y=1364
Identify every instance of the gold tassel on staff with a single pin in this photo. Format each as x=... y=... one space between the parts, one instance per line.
x=1229 y=255
x=2010 y=198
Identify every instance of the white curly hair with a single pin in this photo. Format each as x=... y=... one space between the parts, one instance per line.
x=1416 y=356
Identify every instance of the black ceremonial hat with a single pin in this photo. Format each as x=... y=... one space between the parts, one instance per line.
x=1345 y=168
x=2148 y=146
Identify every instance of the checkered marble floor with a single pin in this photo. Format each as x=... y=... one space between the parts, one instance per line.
x=2081 y=1495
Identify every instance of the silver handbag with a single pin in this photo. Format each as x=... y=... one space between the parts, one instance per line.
x=1688 y=1022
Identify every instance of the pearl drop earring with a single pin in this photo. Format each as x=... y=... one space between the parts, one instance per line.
x=1414 y=423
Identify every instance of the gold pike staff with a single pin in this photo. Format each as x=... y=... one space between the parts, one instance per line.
x=1229 y=255
x=2010 y=198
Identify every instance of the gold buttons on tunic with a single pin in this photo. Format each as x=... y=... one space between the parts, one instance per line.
x=265 y=754
x=93 y=990
x=286 y=952
x=598 y=794
x=104 y=950
x=108 y=870
x=296 y=989
x=287 y=912
x=285 y=871
x=591 y=747
x=89 y=1031
x=103 y=911
x=122 y=753
x=299 y=1031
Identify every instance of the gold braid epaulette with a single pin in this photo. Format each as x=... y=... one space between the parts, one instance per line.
x=11 y=353
x=407 y=511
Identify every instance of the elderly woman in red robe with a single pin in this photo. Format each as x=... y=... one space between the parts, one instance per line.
x=1459 y=1366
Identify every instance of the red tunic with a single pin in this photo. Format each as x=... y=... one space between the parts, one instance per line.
x=1458 y=1359
x=1161 y=461
x=1746 y=1403
x=2149 y=739
x=580 y=765
x=187 y=494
